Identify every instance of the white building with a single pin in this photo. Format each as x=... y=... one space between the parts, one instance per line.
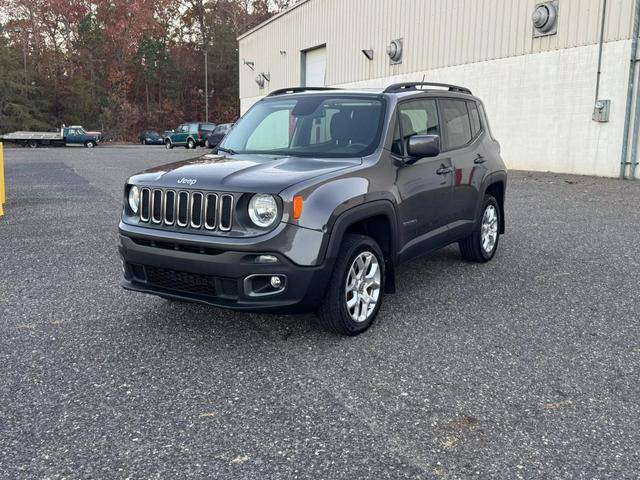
x=538 y=84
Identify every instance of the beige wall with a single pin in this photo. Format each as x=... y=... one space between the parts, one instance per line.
x=436 y=33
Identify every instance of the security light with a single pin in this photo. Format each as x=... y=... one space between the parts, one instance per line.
x=368 y=54
x=545 y=19
x=394 y=50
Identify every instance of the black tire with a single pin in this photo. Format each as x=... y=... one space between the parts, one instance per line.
x=332 y=313
x=144 y=142
x=167 y=144
x=33 y=144
x=90 y=144
x=471 y=247
x=191 y=144
x=206 y=143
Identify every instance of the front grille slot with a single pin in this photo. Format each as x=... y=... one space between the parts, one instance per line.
x=145 y=201
x=187 y=209
x=156 y=206
x=186 y=282
x=196 y=210
x=226 y=212
x=170 y=207
x=211 y=209
x=183 y=209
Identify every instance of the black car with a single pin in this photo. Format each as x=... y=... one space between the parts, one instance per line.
x=313 y=200
x=217 y=135
x=150 y=137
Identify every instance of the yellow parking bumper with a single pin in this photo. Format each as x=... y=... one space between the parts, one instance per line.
x=2 y=194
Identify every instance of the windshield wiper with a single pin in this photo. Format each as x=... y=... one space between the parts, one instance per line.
x=227 y=150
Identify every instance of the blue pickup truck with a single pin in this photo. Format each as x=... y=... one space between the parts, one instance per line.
x=65 y=136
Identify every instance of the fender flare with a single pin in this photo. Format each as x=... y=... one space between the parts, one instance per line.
x=495 y=177
x=357 y=214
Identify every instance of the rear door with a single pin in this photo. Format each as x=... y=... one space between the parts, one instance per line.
x=462 y=130
x=425 y=185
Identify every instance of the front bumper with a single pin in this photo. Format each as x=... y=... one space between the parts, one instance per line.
x=218 y=277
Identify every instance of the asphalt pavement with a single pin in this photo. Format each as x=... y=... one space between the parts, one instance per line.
x=527 y=367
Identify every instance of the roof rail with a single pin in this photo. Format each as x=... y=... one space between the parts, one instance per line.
x=284 y=91
x=399 y=87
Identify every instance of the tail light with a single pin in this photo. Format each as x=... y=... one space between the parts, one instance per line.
x=199 y=134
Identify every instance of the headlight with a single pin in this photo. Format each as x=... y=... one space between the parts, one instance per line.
x=263 y=210
x=134 y=199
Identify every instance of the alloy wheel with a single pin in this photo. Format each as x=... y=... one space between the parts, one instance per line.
x=362 y=289
x=489 y=229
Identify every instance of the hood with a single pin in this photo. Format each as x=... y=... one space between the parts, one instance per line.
x=241 y=173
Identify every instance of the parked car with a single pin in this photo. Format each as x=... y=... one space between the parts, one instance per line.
x=216 y=136
x=63 y=137
x=150 y=137
x=313 y=200
x=189 y=135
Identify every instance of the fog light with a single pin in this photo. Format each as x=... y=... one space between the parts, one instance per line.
x=266 y=259
x=276 y=282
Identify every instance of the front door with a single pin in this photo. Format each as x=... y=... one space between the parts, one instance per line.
x=180 y=136
x=424 y=184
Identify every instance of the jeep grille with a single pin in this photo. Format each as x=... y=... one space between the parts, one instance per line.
x=186 y=209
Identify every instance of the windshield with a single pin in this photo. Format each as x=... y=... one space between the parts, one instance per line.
x=318 y=126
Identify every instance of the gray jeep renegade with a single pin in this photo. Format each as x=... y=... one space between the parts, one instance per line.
x=314 y=198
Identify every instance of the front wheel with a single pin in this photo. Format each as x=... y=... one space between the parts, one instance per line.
x=482 y=244
x=89 y=144
x=355 y=290
x=167 y=144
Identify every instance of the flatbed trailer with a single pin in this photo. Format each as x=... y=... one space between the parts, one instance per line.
x=64 y=137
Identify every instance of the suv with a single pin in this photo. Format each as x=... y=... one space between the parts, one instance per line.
x=189 y=135
x=217 y=135
x=314 y=198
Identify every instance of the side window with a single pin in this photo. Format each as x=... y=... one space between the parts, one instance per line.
x=193 y=128
x=476 y=125
x=456 y=123
x=272 y=133
x=183 y=129
x=418 y=117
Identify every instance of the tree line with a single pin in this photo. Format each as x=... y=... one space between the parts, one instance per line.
x=121 y=66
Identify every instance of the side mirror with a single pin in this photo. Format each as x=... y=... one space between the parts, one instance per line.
x=421 y=146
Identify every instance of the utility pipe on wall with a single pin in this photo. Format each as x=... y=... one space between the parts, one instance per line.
x=630 y=91
x=604 y=17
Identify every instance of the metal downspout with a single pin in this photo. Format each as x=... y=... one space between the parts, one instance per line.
x=630 y=92
x=604 y=19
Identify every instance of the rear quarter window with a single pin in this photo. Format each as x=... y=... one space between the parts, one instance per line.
x=457 y=125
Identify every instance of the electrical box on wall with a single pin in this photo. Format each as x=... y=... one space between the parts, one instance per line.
x=601 y=111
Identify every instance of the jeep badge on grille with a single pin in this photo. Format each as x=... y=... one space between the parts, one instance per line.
x=188 y=181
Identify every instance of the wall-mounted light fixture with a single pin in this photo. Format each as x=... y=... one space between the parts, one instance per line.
x=260 y=81
x=266 y=76
x=251 y=65
x=368 y=53
x=394 y=50
x=545 y=19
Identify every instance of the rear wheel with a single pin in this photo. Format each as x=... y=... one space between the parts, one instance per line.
x=191 y=144
x=167 y=144
x=355 y=290
x=33 y=144
x=482 y=244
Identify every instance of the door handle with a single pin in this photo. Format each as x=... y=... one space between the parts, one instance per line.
x=444 y=170
x=479 y=160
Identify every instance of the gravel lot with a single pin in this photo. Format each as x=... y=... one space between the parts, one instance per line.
x=527 y=367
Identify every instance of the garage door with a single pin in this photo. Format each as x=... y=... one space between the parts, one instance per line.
x=315 y=67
